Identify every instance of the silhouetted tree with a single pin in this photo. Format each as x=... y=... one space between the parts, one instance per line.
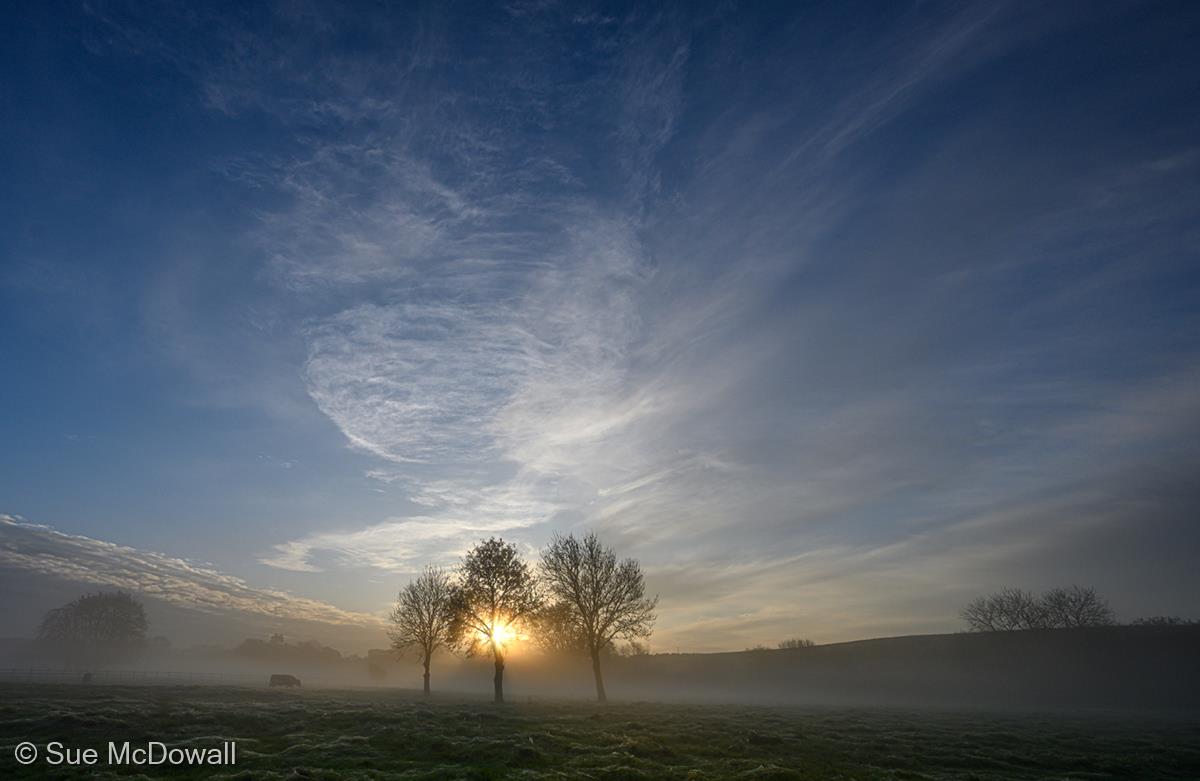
x=796 y=642
x=1067 y=608
x=1058 y=608
x=498 y=594
x=426 y=616
x=98 y=627
x=1007 y=609
x=606 y=598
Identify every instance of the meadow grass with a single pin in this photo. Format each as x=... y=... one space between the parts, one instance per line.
x=387 y=734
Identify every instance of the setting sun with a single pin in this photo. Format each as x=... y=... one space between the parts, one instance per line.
x=502 y=634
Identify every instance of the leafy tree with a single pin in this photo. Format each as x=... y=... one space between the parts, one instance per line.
x=426 y=616
x=100 y=627
x=497 y=595
x=606 y=598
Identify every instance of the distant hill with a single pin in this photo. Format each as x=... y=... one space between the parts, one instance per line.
x=1152 y=667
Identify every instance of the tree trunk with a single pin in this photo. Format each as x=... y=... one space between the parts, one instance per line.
x=600 y=695
x=427 y=675
x=499 y=679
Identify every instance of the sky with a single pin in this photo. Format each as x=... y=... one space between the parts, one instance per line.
x=832 y=315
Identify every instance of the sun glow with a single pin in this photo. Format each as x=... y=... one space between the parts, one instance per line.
x=502 y=634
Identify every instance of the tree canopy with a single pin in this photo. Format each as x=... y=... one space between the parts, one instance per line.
x=498 y=593
x=96 y=627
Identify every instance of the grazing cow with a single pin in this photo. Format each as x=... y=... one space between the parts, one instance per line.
x=287 y=681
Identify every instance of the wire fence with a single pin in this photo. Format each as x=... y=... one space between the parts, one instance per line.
x=128 y=677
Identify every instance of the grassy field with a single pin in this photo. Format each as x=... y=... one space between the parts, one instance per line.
x=377 y=734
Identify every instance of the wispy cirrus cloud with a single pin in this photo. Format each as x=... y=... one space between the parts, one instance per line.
x=833 y=300
x=490 y=304
x=527 y=336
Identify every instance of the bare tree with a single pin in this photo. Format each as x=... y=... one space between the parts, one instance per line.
x=606 y=598
x=981 y=614
x=1059 y=608
x=1006 y=610
x=1076 y=606
x=426 y=616
x=498 y=594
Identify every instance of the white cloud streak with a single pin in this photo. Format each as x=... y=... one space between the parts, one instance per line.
x=46 y=552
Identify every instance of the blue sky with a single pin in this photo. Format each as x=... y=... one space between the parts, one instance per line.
x=833 y=316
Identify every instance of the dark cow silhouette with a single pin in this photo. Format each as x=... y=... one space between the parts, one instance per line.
x=287 y=681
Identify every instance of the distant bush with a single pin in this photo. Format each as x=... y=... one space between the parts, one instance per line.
x=1060 y=608
x=1165 y=621
x=796 y=642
